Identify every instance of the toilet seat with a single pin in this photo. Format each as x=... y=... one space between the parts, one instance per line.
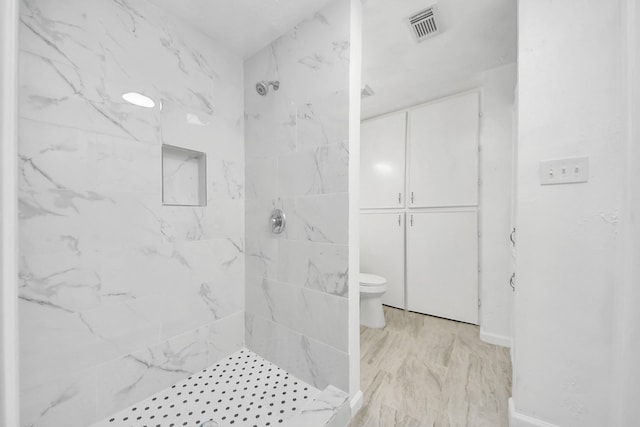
x=373 y=289
x=367 y=279
x=371 y=284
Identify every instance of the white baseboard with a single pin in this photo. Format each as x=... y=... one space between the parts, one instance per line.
x=496 y=339
x=520 y=420
x=356 y=403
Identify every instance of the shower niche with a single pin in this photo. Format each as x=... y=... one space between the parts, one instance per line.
x=184 y=177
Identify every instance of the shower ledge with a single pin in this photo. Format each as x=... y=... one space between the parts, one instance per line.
x=242 y=390
x=330 y=408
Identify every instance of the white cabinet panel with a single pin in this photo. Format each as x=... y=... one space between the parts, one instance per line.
x=382 y=252
x=382 y=162
x=443 y=153
x=442 y=264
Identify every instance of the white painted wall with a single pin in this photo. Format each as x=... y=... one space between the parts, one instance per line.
x=496 y=138
x=9 y=408
x=571 y=103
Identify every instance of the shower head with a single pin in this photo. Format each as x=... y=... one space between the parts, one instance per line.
x=263 y=87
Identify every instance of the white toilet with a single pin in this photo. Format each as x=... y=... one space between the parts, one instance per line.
x=372 y=288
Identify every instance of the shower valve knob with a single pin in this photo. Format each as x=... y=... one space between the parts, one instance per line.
x=278 y=221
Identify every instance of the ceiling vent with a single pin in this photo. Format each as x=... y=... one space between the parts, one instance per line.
x=423 y=24
x=366 y=92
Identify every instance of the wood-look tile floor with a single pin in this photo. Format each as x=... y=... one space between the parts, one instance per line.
x=426 y=371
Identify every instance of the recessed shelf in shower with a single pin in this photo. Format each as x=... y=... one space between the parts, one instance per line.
x=184 y=177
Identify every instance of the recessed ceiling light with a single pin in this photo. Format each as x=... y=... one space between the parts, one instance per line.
x=138 y=99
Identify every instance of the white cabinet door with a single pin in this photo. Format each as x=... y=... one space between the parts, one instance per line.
x=442 y=264
x=443 y=153
x=382 y=252
x=382 y=162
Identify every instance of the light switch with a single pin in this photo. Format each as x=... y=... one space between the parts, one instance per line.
x=564 y=171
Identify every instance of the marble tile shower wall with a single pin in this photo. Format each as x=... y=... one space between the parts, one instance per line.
x=120 y=296
x=296 y=151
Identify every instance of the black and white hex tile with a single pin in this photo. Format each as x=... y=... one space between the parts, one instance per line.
x=242 y=390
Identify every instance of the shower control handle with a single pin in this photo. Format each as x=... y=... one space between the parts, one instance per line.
x=278 y=221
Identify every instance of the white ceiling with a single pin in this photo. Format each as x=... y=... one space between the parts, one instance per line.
x=477 y=35
x=245 y=26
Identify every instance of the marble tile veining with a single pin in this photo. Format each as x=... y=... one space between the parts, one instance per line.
x=426 y=371
x=121 y=296
x=313 y=361
x=297 y=160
